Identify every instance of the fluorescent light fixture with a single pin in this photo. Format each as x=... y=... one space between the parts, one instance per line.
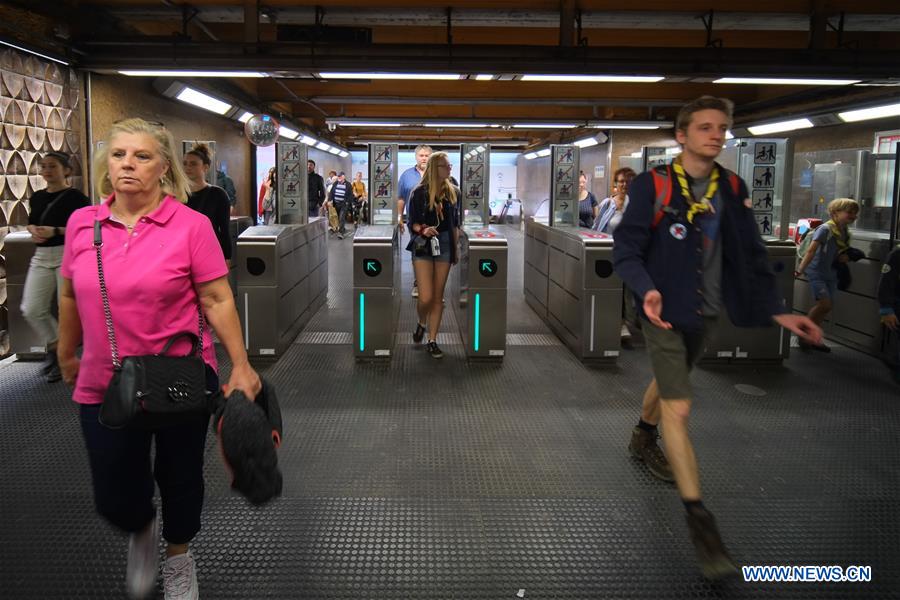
x=323 y=146
x=595 y=78
x=586 y=142
x=205 y=101
x=288 y=132
x=444 y=76
x=177 y=73
x=629 y=124
x=531 y=155
x=673 y=151
x=545 y=125
x=458 y=125
x=786 y=81
x=245 y=116
x=729 y=135
x=309 y=141
x=875 y=112
x=544 y=152
x=60 y=61
x=366 y=124
x=483 y=77
x=780 y=126
x=344 y=154
x=334 y=150
x=637 y=154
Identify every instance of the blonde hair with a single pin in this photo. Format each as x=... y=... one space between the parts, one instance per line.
x=173 y=182
x=843 y=204
x=437 y=189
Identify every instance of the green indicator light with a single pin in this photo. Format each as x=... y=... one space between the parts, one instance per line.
x=362 y=322
x=477 y=321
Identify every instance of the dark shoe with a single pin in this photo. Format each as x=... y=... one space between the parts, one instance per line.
x=643 y=447
x=51 y=363
x=54 y=374
x=434 y=351
x=711 y=554
x=418 y=334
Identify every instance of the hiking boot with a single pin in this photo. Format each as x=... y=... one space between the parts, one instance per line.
x=434 y=351
x=419 y=334
x=54 y=374
x=143 y=561
x=643 y=447
x=711 y=554
x=180 y=578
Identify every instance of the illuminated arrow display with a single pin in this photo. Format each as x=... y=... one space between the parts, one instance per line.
x=487 y=267
x=372 y=267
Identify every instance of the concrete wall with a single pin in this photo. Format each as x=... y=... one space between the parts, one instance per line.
x=119 y=97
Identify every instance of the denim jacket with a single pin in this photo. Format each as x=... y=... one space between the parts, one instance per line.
x=669 y=257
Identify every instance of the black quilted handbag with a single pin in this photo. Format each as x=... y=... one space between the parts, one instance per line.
x=152 y=388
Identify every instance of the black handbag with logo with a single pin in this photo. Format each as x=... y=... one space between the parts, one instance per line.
x=153 y=388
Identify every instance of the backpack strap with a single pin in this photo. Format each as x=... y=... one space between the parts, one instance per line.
x=734 y=181
x=662 y=185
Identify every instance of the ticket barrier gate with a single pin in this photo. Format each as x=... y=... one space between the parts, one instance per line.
x=758 y=345
x=18 y=248
x=376 y=291
x=236 y=226
x=570 y=283
x=478 y=292
x=282 y=280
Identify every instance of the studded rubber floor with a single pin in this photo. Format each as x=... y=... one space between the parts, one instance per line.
x=433 y=480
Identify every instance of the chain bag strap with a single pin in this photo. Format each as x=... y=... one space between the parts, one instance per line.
x=154 y=387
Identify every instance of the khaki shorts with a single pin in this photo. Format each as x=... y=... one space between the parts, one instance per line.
x=674 y=353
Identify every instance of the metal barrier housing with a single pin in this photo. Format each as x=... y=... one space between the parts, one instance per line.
x=282 y=280
x=479 y=291
x=376 y=291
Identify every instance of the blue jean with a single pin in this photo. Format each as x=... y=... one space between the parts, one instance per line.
x=823 y=288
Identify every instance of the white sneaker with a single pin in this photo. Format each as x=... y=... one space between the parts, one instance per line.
x=180 y=578
x=143 y=561
x=625 y=333
x=415 y=292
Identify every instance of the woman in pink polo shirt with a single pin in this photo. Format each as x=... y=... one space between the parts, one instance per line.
x=160 y=260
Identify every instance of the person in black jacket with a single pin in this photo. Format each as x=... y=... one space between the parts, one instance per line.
x=210 y=200
x=434 y=231
x=889 y=299
x=50 y=211
x=315 y=187
x=687 y=262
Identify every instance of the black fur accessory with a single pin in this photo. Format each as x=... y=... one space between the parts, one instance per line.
x=249 y=434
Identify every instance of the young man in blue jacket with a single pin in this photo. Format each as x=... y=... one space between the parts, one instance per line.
x=689 y=249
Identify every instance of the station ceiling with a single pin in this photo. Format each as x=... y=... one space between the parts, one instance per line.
x=689 y=43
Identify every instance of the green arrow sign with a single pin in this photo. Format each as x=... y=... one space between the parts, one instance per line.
x=487 y=267
x=372 y=267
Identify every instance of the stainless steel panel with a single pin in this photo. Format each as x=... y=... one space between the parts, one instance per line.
x=601 y=318
x=374 y=338
x=259 y=322
x=573 y=277
x=557 y=266
x=18 y=249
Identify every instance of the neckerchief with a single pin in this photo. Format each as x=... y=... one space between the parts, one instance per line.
x=841 y=238
x=696 y=207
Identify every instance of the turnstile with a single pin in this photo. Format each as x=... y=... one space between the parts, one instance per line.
x=763 y=345
x=376 y=291
x=282 y=280
x=236 y=226
x=18 y=248
x=479 y=292
x=570 y=283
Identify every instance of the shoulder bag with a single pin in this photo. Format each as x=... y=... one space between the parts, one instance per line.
x=154 y=387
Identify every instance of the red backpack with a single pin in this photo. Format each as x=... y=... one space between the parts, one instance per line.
x=662 y=184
